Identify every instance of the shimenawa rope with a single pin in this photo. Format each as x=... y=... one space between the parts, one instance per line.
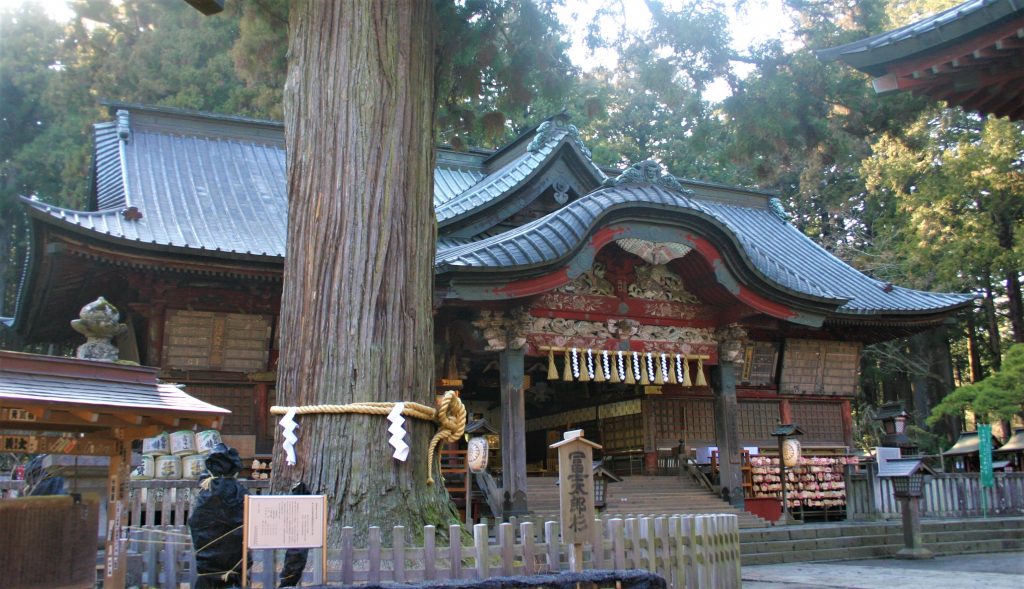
x=450 y=418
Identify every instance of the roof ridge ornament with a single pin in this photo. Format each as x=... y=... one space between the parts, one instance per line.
x=777 y=209
x=648 y=172
x=124 y=129
x=547 y=131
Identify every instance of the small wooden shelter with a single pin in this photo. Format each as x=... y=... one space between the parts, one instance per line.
x=965 y=452
x=1013 y=450
x=82 y=407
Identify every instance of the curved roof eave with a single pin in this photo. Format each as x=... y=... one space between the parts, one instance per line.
x=625 y=212
x=510 y=253
x=965 y=19
x=57 y=217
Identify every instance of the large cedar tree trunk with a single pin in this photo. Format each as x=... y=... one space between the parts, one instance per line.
x=356 y=319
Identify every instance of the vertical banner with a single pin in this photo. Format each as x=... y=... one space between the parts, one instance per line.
x=985 y=455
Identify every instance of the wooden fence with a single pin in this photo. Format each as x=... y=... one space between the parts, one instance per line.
x=869 y=496
x=690 y=551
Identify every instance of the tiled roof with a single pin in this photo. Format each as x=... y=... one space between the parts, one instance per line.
x=88 y=384
x=927 y=33
x=774 y=249
x=506 y=179
x=217 y=183
x=450 y=182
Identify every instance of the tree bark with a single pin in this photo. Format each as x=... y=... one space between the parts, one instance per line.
x=356 y=319
x=974 y=355
x=1015 y=305
x=992 y=325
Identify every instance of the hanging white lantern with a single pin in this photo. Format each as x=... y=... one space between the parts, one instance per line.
x=476 y=454
x=791 y=452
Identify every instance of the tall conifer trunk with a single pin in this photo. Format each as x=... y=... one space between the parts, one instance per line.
x=356 y=320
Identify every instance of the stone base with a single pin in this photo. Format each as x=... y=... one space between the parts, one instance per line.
x=914 y=554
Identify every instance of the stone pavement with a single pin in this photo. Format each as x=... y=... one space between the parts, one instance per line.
x=999 y=570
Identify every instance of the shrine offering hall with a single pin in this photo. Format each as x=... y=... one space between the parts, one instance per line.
x=655 y=313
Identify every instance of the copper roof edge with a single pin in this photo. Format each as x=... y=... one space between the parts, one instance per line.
x=24 y=363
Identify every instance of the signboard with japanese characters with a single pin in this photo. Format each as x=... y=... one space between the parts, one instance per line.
x=49 y=444
x=576 y=487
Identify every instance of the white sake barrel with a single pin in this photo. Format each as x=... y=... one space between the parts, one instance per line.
x=168 y=467
x=193 y=466
x=206 y=440
x=145 y=470
x=183 y=443
x=158 y=445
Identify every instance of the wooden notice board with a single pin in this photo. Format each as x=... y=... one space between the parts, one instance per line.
x=285 y=521
x=576 y=493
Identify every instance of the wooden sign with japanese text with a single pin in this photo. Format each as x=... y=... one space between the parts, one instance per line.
x=47 y=444
x=576 y=487
x=285 y=521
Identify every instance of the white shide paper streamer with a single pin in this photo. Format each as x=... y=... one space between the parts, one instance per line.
x=397 y=439
x=288 y=425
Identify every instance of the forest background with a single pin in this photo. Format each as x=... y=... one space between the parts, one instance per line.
x=904 y=189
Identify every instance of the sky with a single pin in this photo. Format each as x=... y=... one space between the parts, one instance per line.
x=751 y=22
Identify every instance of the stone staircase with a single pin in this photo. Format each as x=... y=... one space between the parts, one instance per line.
x=642 y=495
x=856 y=540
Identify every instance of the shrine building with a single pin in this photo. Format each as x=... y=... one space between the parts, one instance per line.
x=649 y=311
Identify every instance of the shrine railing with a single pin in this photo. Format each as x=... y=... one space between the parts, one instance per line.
x=945 y=495
x=168 y=503
x=687 y=550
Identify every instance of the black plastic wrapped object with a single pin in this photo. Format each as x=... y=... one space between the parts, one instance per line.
x=216 y=521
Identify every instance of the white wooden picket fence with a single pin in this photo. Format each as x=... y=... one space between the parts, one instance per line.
x=689 y=551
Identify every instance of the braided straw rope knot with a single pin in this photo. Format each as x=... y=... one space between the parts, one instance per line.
x=450 y=417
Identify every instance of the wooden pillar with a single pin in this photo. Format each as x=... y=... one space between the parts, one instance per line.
x=727 y=432
x=513 y=431
x=117 y=516
x=156 y=318
x=785 y=411
x=262 y=402
x=847 y=423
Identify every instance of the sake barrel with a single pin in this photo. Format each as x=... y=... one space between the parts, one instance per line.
x=193 y=466
x=206 y=440
x=183 y=443
x=158 y=445
x=145 y=470
x=168 y=467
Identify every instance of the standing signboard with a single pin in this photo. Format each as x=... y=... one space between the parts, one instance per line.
x=576 y=493
x=285 y=521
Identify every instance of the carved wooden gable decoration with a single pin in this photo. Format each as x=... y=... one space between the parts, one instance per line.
x=624 y=302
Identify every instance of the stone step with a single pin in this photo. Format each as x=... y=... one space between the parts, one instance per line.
x=642 y=495
x=847 y=541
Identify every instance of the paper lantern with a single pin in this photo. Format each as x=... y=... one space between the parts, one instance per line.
x=476 y=454
x=791 y=452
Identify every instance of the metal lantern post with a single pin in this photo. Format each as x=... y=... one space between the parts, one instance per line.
x=602 y=476
x=783 y=433
x=894 y=422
